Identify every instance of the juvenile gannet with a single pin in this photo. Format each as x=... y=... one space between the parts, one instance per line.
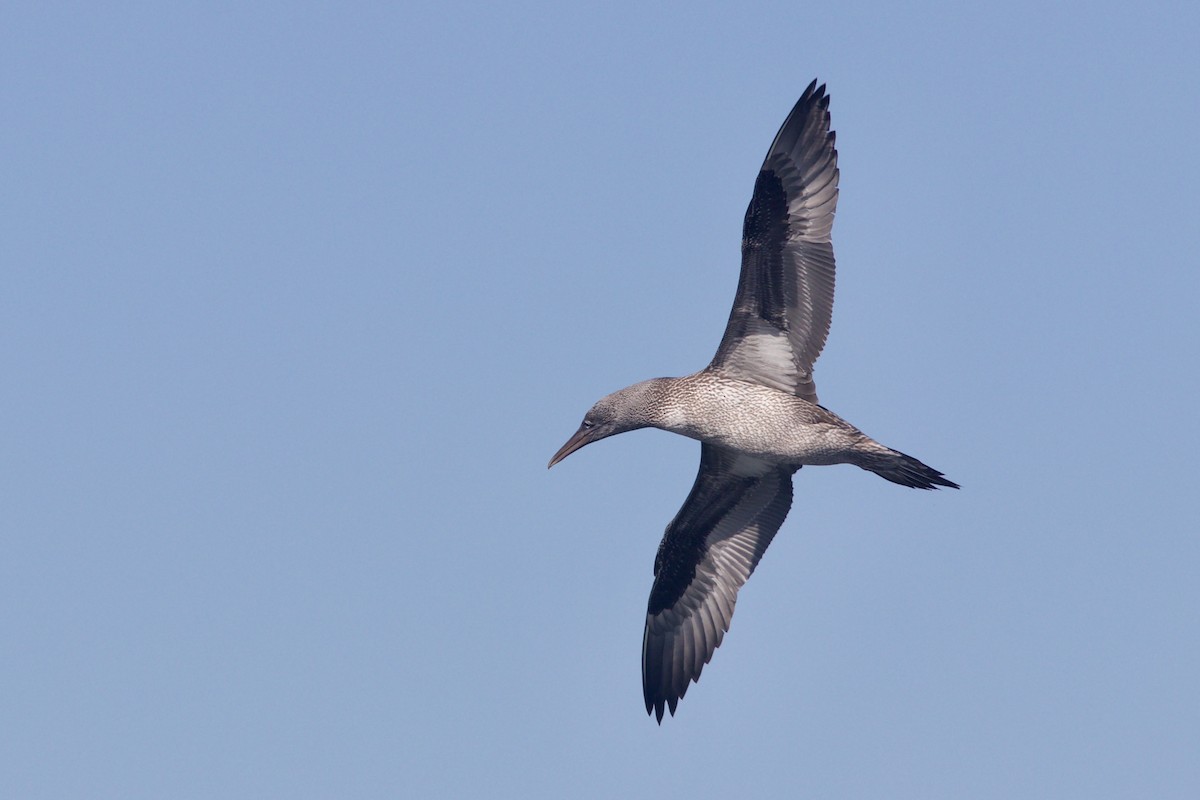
x=754 y=410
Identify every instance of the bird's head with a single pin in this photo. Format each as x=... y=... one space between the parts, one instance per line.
x=626 y=410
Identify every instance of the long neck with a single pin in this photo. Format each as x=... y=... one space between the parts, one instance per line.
x=656 y=403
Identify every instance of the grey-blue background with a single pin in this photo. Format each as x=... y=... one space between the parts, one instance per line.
x=298 y=298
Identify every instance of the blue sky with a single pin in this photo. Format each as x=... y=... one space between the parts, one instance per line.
x=297 y=300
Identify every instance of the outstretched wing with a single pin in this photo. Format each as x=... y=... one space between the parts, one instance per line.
x=709 y=550
x=784 y=299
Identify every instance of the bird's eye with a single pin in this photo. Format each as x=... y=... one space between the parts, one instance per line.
x=587 y=423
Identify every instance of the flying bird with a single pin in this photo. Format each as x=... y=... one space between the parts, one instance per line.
x=754 y=410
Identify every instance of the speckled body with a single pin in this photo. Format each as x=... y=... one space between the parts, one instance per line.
x=754 y=420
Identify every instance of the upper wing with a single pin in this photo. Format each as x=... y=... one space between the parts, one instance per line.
x=709 y=550
x=784 y=299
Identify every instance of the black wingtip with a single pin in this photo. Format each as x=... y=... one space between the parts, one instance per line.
x=658 y=709
x=660 y=705
x=817 y=93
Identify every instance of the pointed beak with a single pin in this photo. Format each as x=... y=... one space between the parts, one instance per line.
x=578 y=439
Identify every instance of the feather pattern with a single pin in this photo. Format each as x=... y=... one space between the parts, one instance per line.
x=784 y=302
x=708 y=551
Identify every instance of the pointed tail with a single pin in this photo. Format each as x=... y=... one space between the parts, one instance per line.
x=902 y=469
